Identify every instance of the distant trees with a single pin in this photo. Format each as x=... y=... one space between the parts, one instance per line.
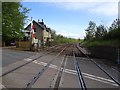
x=100 y=32
x=114 y=25
x=58 y=38
x=90 y=31
x=114 y=31
x=94 y=32
x=53 y=34
x=13 y=20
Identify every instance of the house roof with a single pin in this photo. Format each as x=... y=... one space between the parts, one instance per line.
x=48 y=29
x=40 y=24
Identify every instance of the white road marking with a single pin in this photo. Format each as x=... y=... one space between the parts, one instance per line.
x=93 y=77
x=40 y=63
x=101 y=80
x=98 y=77
x=28 y=59
x=44 y=64
x=2 y=86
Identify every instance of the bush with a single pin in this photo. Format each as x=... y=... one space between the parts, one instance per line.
x=113 y=43
x=113 y=34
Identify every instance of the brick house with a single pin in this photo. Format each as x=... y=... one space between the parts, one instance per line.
x=41 y=33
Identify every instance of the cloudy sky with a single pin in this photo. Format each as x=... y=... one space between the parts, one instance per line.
x=71 y=17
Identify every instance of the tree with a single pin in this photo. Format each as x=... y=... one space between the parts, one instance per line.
x=53 y=34
x=115 y=24
x=114 y=31
x=100 y=32
x=13 y=20
x=90 y=31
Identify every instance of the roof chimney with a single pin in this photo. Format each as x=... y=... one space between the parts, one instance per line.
x=38 y=20
x=42 y=20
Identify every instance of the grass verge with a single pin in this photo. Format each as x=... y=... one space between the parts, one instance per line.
x=112 y=43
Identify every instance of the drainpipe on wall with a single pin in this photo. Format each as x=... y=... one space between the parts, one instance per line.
x=31 y=36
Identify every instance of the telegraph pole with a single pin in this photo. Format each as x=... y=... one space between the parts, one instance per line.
x=118 y=51
x=118 y=14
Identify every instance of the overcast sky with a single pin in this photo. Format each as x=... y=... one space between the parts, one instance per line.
x=70 y=17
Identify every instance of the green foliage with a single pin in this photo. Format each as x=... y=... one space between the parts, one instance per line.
x=90 y=31
x=114 y=25
x=58 y=39
x=61 y=39
x=113 y=34
x=100 y=32
x=102 y=37
x=13 y=20
x=114 y=31
x=53 y=34
x=114 y=43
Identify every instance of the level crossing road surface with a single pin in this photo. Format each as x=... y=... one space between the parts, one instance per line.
x=55 y=70
x=11 y=56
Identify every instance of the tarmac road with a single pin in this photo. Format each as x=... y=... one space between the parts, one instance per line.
x=11 y=56
x=93 y=76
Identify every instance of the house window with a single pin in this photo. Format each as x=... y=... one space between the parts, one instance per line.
x=28 y=33
x=34 y=29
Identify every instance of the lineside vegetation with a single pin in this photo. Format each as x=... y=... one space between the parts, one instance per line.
x=102 y=35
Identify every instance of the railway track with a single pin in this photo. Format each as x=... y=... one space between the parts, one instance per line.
x=56 y=77
x=99 y=66
x=57 y=80
x=37 y=76
x=79 y=73
x=58 y=74
x=59 y=68
x=39 y=73
x=51 y=50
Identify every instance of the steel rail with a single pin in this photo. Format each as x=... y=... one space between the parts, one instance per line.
x=3 y=74
x=99 y=66
x=58 y=75
x=57 y=78
x=37 y=76
x=80 y=77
